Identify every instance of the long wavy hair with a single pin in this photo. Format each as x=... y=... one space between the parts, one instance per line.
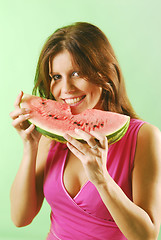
x=93 y=55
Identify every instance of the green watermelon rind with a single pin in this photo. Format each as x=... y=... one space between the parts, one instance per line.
x=57 y=134
x=115 y=137
x=112 y=138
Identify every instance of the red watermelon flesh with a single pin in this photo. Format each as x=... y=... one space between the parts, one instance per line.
x=53 y=119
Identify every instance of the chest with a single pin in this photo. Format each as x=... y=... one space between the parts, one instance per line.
x=74 y=176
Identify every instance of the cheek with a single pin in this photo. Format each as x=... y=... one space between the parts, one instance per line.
x=96 y=92
x=54 y=89
x=100 y=91
x=81 y=84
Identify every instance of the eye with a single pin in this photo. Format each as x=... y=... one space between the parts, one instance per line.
x=56 y=77
x=75 y=74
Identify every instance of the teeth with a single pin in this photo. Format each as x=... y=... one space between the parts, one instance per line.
x=72 y=100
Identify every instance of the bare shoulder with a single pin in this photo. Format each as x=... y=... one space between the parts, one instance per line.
x=148 y=145
x=43 y=150
x=149 y=140
x=149 y=132
x=45 y=141
x=42 y=154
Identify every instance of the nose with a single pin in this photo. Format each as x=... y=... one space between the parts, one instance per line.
x=67 y=86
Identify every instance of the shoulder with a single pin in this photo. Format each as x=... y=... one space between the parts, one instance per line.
x=45 y=142
x=43 y=149
x=149 y=136
x=148 y=149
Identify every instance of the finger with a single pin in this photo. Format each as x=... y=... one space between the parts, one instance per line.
x=75 y=151
x=18 y=100
x=30 y=133
x=18 y=121
x=30 y=129
x=19 y=111
x=78 y=145
x=86 y=136
x=102 y=139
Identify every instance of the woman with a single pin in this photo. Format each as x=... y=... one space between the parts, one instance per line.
x=95 y=191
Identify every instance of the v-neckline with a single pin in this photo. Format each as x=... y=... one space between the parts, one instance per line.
x=62 y=179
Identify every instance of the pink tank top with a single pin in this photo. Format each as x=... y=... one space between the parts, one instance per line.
x=85 y=217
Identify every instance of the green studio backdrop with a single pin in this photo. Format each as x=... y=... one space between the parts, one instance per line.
x=134 y=30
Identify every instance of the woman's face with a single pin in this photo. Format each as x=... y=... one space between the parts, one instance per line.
x=68 y=86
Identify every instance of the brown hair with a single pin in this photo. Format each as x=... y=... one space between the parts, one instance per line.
x=95 y=58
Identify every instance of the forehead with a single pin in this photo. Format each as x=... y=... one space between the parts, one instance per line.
x=61 y=61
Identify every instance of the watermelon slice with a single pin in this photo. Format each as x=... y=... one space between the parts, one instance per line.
x=53 y=119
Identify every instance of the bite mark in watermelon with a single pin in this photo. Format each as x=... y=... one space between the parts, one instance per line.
x=53 y=119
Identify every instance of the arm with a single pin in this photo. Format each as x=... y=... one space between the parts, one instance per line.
x=141 y=218
x=27 y=189
x=26 y=194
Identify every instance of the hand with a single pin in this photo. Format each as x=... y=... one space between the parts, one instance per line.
x=20 y=123
x=93 y=155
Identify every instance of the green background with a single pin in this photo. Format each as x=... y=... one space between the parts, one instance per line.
x=134 y=30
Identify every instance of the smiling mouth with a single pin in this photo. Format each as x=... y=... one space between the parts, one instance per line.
x=73 y=101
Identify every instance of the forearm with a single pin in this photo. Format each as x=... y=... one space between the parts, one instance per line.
x=23 y=191
x=132 y=220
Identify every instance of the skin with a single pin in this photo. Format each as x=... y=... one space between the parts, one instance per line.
x=137 y=220
x=67 y=84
